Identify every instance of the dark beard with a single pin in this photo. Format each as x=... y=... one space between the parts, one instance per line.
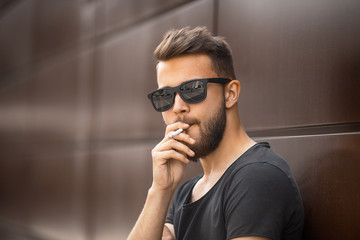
x=211 y=134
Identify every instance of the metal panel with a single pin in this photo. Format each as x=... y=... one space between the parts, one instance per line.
x=326 y=168
x=56 y=205
x=44 y=120
x=60 y=100
x=120 y=14
x=127 y=74
x=14 y=114
x=298 y=61
x=14 y=187
x=15 y=37
x=48 y=107
x=58 y=25
x=42 y=195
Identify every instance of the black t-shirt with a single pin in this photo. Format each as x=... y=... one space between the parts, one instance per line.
x=256 y=196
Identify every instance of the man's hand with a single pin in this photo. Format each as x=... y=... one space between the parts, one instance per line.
x=170 y=158
x=169 y=162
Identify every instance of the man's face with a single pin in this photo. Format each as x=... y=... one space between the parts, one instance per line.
x=207 y=119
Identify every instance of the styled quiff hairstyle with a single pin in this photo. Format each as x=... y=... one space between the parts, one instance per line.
x=186 y=41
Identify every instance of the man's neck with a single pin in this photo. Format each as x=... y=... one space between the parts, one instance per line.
x=235 y=142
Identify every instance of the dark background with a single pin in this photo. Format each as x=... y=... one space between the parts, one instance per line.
x=76 y=128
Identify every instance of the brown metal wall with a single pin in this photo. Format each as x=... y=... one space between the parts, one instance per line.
x=76 y=129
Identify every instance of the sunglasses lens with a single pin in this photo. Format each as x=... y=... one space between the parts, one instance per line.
x=191 y=92
x=194 y=91
x=162 y=100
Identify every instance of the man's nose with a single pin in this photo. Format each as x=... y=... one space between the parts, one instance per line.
x=180 y=106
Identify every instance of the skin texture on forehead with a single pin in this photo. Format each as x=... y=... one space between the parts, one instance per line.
x=171 y=73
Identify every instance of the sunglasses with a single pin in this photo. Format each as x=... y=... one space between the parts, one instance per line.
x=193 y=91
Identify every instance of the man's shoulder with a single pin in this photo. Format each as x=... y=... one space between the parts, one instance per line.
x=261 y=154
x=259 y=165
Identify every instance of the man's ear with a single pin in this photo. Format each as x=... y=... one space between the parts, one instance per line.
x=232 y=92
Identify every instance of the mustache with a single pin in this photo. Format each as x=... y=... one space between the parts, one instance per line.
x=187 y=120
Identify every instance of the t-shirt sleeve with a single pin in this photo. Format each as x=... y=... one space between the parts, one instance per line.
x=258 y=202
x=170 y=214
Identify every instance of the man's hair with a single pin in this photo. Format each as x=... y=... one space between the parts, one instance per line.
x=186 y=41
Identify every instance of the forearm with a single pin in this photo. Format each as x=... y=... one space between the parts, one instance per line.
x=169 y=163
x=151 y=220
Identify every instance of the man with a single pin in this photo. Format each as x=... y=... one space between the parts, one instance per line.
x=246 y=190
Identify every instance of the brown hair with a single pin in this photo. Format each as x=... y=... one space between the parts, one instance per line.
x=185 y=41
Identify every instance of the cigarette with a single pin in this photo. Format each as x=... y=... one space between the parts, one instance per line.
x=177 y=132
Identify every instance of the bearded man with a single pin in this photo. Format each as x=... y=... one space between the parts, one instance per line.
x=246 y=190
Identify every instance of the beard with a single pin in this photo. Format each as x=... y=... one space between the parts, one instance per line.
x=211 y=133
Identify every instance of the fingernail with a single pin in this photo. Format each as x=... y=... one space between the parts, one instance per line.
x=192 y=140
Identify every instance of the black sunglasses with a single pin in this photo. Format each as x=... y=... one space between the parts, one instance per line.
x=193 y=91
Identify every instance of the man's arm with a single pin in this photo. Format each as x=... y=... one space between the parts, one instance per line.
x=150 y=224
x=169 y=162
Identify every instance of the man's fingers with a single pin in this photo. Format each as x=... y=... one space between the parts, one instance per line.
x=184 y=138
x=172 y=154
x=173 y=144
